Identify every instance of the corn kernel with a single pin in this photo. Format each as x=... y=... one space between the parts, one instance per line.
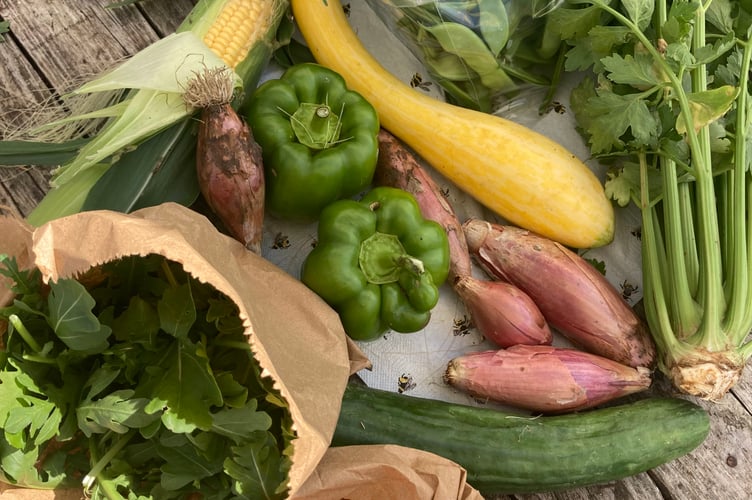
x=239 y=25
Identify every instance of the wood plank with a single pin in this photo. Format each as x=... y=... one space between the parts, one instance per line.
x=53 y=44
x=722 y=465
x=166 y=16
x=743 y=389
x=639 y=486
x=50 y=48
x=22 y=89
x=68 y=40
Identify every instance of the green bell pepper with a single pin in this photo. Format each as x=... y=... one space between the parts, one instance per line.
x=378 y=263
x=319 y=140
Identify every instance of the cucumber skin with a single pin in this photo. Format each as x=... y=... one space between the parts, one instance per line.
x=506 y=453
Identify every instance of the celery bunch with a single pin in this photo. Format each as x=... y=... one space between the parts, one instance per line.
x=668 y=108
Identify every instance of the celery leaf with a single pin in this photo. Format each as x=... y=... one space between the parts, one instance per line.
x=612 y=115
x=707 y=106
x=622 y=187
x=637 y=70
x=640 y=11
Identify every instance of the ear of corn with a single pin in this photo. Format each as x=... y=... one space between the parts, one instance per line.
x=240 y=34
x=240 y=23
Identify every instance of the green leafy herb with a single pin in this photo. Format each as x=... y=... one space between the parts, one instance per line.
x=4 y=28
x=477 y=50
x=669 y=109
x=137 y=378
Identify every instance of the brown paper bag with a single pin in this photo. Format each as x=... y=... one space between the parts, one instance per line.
x=377 y=472
x=297 y=339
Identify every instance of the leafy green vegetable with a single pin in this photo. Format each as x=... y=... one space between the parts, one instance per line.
x=137 y=378
x=668 y=107
x=477 y=50
x=4 y=28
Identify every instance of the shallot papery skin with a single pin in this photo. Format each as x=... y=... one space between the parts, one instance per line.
x=231 y=174
x=399 y=167
x=503 y=313
x=576 y=299
x=544 y=379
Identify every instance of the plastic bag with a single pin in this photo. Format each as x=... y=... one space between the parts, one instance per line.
x=477 y=51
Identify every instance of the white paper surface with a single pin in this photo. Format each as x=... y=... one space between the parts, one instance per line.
x=414 y=363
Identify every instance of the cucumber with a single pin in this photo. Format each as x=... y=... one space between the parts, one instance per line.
x=507 y=453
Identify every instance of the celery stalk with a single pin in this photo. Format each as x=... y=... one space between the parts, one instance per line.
x=693 y=178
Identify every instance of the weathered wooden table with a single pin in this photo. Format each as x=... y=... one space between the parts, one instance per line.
x=52 y=43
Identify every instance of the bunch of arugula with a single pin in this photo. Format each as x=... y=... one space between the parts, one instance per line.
x=667 y=106
x=135 y=380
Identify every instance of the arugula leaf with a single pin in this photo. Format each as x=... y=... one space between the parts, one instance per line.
x=224 y=315
x=27 y=418
x=124 y=366
x=239 y=424
x=139 y=323
x=186 y=389
x=21 y=467
x=4 y=28
x=72 y=319
x=186 y=463
x=234 y=393
x=23 y=282
x=177 y=312
x=256 y=468
x=117 y=411
x=100 y=380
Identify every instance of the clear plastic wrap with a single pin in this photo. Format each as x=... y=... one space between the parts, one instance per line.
x=480 y=52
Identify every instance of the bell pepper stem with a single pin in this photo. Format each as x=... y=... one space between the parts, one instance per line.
x=382 y=258
x=316 y=125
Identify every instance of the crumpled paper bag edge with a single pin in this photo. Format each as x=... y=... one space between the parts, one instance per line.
x=311 y=443
x=375 y=472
